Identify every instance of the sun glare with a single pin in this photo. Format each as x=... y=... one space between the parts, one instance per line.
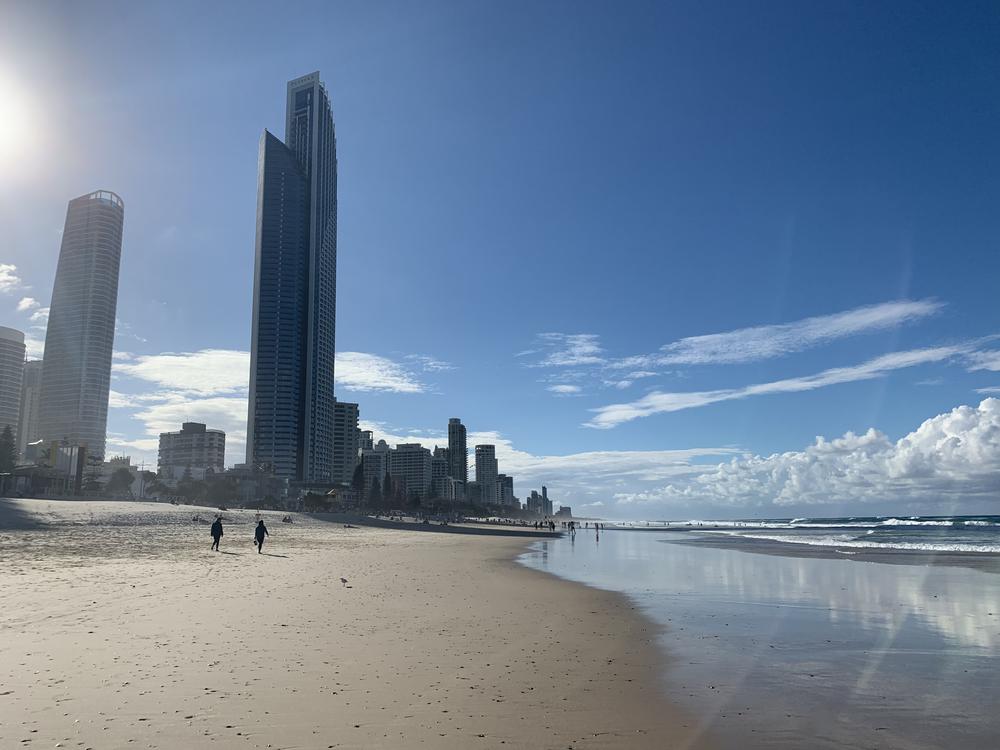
x=16 y=136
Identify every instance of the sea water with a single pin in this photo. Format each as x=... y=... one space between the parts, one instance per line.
x=779 y=651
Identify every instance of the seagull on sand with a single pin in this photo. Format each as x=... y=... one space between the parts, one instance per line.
x=344 y=581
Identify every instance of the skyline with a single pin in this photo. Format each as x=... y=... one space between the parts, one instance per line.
x=844 y=305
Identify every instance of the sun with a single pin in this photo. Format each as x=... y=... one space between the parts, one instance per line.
x=17 y=137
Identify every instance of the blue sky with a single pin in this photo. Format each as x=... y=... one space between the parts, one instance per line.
x=531 y=194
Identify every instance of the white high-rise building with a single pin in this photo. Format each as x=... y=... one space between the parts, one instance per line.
x=486 y=473
x=76 y=374
x=27 y=426
x=11 y=375
x=346 y=439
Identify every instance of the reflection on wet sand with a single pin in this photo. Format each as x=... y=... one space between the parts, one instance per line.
x=810 y=652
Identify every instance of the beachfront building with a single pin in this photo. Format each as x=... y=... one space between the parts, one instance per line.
x=192 y=453
x=11 y=377
x=410 y=465
x=539 y=504
x=366 y=440
x=76 y=374
x=346 y=439
x=27 y=424
x=375 y=463
x=458 y=452
x=290 y=422
x=486 y=473
x=505 y=490
x=439 y=472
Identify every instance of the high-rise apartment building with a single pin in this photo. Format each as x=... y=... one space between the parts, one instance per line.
x=11 y=376
x=193 y=453
x=486 y=473
x=458 y=452
x=76 y=370
x=290 y=425
x=27 y=425
x=410 y=463
x=346 y=439
x=505 y=490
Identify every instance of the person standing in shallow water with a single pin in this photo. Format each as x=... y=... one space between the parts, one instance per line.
x=216 y=533
x=259 y=534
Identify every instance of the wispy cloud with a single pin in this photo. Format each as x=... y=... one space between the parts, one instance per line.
x=567 y=350
x=358 y=371
x=990 y=389
x=988 y=360
x=564 y=389
x=429 y=364
x=26 y=304
x=658 y=402
x=767 y=342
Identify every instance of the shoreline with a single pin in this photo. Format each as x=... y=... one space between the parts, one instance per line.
x=985 y=561
x=122 y=627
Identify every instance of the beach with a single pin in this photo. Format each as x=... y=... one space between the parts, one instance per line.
x=122 y=629
x=781 y=645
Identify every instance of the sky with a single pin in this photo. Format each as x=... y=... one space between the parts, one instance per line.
x=676 y=259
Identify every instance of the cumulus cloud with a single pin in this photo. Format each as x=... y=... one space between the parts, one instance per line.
x=26 y=304
x=9 y=280
x=658 y=402
x=949 y=460
x=40 y=317
x=767 y=342
x=211 y=386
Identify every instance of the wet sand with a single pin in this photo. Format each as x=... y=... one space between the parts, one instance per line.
x=122 y=629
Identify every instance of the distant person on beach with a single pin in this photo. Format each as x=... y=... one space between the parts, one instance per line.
x=216 y=533
x=259 y=533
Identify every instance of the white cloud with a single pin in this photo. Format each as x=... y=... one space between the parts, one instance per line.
x=568 y=350
x=988 y=360
x=357 y=371
x=40 y=316
x=949 y=460
x=34 y=347
x=658 y=402
x=991 y=389
x=26 y=304
x=429 y=364
x=766 y=342
x=207 y=372
x=9 y=280
x=563 y=389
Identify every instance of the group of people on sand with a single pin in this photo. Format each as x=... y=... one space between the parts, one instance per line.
x=258 y=535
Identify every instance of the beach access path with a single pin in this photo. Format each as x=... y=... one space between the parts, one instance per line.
x=122 y=629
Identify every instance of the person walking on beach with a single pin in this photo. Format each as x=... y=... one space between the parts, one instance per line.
x=216 y=533
x=259 y=533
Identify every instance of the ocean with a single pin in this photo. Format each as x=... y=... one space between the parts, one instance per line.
x=912 y=533
x=812 y=650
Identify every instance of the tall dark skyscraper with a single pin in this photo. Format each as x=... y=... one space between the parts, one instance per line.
x=290 y=425
x=458 y=454
x=76 y=368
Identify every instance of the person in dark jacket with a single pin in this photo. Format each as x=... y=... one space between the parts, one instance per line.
x=259 y=533
x=216 y=533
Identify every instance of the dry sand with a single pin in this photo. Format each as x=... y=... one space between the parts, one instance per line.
x=120 y=629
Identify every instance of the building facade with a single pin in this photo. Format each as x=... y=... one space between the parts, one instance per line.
x=194 y=453
x=27 y=425
x=505 y=490
x=76 y=374
x=11 y=377
x=458 y=452
x=486 y=473
x=346 y=441
x=290 y=424
x=410 y=464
